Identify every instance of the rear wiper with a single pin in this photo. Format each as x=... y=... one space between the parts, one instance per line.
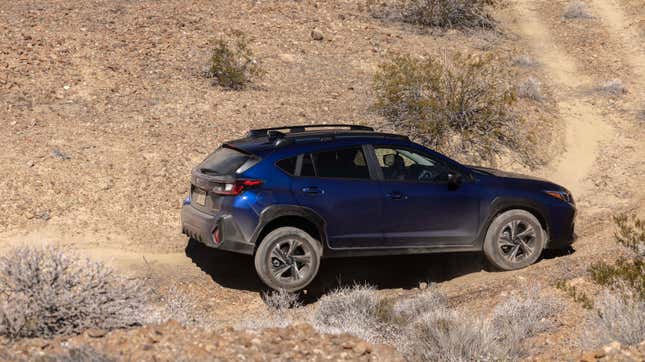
x=208 y=171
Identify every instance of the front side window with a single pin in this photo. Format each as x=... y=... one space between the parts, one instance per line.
x=398 y=164
x=343 y=163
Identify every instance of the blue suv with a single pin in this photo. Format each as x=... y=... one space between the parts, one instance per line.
x=290 y=196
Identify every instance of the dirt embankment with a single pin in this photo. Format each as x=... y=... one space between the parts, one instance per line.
x=104 y=109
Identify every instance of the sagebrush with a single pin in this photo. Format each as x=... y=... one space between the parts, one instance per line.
x=461 y=105
x=46 y=292
x=577 y=10
x=233 y=64
x=425 y=328
x=618 y=316
x=448 y=13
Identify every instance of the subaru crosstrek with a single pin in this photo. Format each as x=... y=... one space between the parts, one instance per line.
x=290 y=196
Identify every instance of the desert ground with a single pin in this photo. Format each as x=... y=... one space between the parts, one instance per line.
x=104 y=109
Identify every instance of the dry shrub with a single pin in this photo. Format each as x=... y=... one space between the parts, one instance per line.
x=461 y=105
x=577 y=10
x=357 y=310
x=46 y=292
x=232 y=63
x=530 y=89
x=618 y=317
x=281 y=300
x=179 y=305
x=425 y=328
x=620 y=311
x=282 y=309
x=613 y=87
x=448 y=13
x=628 y=271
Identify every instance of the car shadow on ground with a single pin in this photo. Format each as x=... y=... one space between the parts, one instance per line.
x=236 y=271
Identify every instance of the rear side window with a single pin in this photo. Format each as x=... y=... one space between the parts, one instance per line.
x=224 y=161
x=288 y=165
x=343 y=163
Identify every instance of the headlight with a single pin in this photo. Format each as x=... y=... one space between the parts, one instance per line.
x=562 y=195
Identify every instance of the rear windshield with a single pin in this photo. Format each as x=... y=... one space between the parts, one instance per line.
x=224 y=161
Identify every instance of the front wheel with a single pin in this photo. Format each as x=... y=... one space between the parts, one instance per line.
x=288 y=259
x=514 y=240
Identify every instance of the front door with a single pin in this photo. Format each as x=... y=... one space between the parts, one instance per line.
x=420 y=207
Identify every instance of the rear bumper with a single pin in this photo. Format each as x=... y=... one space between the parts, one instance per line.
x=200 y=226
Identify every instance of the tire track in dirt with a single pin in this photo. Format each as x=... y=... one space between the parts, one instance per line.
x=584 y=125
x=622 y=31
x=613 y=17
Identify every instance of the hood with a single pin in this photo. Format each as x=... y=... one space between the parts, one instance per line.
x=505 y=174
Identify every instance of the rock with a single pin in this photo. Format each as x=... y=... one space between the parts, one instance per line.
x=423 y=285
x=317 y=35
x=612 y=347
x=56 y=153
x=31 y=163
x=362 y=347
x=287 y=58
x=96 y=333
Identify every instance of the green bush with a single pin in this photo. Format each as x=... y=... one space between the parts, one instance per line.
x=628 y=271
x=232 y=63
x=448 y=13
x=461 y=105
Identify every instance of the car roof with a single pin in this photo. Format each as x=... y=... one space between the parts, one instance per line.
x=261 y=144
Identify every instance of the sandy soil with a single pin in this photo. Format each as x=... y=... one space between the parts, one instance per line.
x=118 y=88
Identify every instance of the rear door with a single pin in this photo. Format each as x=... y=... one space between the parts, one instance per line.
x=338 y=185
x=420 y=207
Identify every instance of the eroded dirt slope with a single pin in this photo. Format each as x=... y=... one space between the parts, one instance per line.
x=104 y=109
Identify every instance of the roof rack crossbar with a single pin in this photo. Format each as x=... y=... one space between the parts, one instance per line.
x=301 y=128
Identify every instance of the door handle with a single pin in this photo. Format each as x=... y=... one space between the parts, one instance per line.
x=313 y=190
x=395 y=195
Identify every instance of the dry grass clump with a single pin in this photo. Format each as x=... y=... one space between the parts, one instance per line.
x=530 y=89
x=232 y=63
x=179 y=305
x=46 y=292
x=425 y=328
x=461 y=105
x=577 y=10
x=448 y=13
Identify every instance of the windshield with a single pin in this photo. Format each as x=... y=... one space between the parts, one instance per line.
x=224 y=161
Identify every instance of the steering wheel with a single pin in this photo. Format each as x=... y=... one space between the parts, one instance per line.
x=425 y=175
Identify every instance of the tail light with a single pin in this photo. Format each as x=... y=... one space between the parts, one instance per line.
x=235 y=187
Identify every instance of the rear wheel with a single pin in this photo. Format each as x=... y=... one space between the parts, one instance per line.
x=514 y=240
x=288 y=258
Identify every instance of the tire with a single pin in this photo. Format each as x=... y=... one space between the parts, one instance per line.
x=514 y=240
x=288 y=259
